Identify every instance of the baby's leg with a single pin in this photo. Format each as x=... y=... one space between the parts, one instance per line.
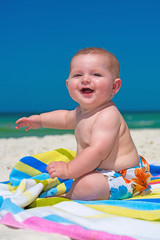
x=92 y=186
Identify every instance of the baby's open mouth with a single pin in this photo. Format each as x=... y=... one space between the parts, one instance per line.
x=86 y=90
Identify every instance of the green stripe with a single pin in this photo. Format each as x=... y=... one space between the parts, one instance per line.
x=42 y=202
x=65 y=153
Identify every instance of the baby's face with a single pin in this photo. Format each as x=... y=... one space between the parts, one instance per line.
x=90 y=82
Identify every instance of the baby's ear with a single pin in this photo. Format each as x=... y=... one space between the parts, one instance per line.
x=116 y=85
x=67 y=83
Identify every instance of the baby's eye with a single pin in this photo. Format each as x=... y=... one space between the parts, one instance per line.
x=77 y=75
x=97 y=75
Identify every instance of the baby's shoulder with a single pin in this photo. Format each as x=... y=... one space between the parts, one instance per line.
x=108 y=112
x=109 y=116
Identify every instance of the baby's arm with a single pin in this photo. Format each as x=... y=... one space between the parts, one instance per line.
x=104 y=133
x=60 y=119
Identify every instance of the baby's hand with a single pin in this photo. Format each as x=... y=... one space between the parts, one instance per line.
x=33 y=122
x=58 y=169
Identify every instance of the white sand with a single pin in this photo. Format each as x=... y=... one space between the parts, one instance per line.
x=147 y=142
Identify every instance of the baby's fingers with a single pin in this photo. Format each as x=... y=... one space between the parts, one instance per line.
x=53 y=175
x=23 y=119
x=20 y=125
x=52 y=170
x=27 y=129
x=22 y=122
x=51 y=166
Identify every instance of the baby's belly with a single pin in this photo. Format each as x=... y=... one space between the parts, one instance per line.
x=120 y=163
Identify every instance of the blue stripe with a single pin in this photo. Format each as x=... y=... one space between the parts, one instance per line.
x=154 y=178
x=17 y=176
x=10 y=207
x=140 y=161
x=68 y=184
x=53 y=191
x=35 y=163
x=50 y=193
x=1 y=201
x=56 y=218
x=156 y=200
x=61 y=180
x=131 y=204
x=41 y=177
x=155 y=170
x=5 y=182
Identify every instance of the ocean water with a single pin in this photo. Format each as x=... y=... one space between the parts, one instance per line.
x=135 y=120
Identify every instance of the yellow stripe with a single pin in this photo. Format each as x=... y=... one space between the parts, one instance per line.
x=50 y=156
x=29 y=196
x=150 y=196
x=20 y=166
x=156 y=190
x=96 y=216
x=12 y=188
x=124 y=212
x=61 y=188
x=48 y=183
x=22 y=186
x=99 y=216
x=154 y=194
x=42 y=202
x=155 y=180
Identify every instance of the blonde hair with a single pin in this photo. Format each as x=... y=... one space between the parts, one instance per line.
x=114 y=66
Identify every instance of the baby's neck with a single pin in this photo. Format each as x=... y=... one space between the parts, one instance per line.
x=97 y=109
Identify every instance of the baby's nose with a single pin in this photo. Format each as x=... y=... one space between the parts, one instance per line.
x=86 y=79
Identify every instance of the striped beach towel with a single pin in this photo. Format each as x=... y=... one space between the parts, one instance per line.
x=29 y=200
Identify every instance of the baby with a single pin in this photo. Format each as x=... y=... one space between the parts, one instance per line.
x=107 y=165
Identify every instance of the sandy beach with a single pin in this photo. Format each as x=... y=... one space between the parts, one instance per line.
x=147 y=142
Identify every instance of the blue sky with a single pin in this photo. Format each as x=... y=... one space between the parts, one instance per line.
x=38 y=39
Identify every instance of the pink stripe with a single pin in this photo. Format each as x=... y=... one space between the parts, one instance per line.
x=151 y=183
x=72 y=231
x=9 y=220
